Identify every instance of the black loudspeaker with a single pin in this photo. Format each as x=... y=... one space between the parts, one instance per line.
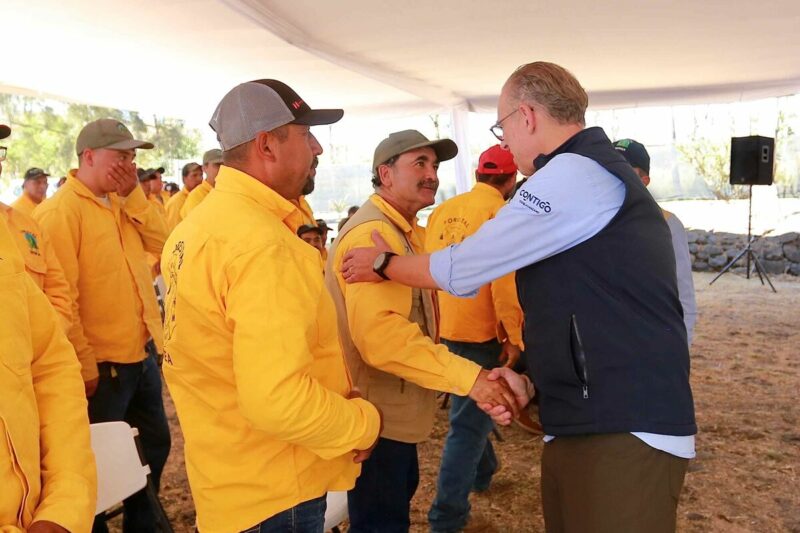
x=752 y=159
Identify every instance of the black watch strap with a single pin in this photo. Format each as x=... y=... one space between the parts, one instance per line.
x=387 y=256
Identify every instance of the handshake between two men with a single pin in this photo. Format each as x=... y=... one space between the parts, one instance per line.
x=501 y=392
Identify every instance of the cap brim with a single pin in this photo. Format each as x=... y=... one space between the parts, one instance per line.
x=5 y=131
x=129 y=145
x=319 y=117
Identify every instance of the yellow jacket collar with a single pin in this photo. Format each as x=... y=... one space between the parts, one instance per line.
x=394 y=215
x=487 y=189
x=79 y=188
x=237 y=182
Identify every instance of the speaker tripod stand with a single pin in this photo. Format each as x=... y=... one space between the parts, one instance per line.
x=748 y=251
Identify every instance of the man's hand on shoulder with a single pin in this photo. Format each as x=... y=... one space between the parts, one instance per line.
x=358 y=263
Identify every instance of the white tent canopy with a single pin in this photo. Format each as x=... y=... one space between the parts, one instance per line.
x=378 y=57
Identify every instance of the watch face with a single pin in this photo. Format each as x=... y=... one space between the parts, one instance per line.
x=376 y=266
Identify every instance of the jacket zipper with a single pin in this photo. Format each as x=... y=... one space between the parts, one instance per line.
x=580 y=357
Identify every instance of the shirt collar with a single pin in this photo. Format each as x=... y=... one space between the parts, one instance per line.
x=586 y=136
x=394 y=215
x=235 y=181
x=487 y=189
x=79 y=188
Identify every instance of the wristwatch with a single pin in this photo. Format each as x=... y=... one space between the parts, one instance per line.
x=381 y=262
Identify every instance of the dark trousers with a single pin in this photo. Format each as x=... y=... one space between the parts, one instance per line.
x=609 y=483
x=381 y=500
x=306 y=517
x=132 y=393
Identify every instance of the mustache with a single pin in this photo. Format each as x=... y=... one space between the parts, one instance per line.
x=434 y=184
x=315 y=162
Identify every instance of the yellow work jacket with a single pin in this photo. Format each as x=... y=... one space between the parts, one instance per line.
x=253 y=360
x=377 y=314
x=24 y=204
x=305 y=210
x=173 y=208
x=40 y=260
x=495 y=312
x=154 y=260
x=197 y=195
x=47 y=469
x=102 y=251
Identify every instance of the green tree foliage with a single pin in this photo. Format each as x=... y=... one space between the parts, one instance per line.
x=44 y=133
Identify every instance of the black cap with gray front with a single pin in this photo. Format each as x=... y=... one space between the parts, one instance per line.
x=263 y=105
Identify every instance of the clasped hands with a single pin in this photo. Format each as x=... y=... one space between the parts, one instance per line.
x=502 y=393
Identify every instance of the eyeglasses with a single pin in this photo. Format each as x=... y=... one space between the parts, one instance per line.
x=497 y=129
x=3 y=153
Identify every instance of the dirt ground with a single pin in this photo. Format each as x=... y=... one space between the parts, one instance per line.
x=745 y=376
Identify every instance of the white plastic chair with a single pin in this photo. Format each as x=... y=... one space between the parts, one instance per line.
x=336 y=512
x=121 y=471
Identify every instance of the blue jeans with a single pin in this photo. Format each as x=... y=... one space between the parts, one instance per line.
x=381 y=500
x=306 y=517
x=468 y=459
x=132 y=393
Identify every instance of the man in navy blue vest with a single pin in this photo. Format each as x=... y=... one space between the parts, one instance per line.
x=605 y=341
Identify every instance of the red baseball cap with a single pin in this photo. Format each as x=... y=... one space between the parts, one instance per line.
x=496 y=160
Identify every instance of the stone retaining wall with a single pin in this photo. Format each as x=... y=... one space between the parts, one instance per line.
x=710 y=251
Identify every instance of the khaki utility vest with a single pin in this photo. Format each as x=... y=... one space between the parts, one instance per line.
x=408 y=409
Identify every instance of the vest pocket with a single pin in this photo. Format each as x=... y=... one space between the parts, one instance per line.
x=578 y=356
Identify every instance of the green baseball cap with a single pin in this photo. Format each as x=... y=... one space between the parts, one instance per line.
x=404 y=141
x=107 y=133
x=212 y=156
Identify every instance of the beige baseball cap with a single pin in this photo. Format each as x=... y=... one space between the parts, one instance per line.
x=212 y=156
x=110 y=134
x=404 y=141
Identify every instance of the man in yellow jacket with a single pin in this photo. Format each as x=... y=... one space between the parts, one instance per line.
x=47 y=473
x=253 y=362
x=34 y=191
x=192 y=175
x=41 y=262
x=212 y=160
x=101 y=225
x=390 y=332
x=486 y=329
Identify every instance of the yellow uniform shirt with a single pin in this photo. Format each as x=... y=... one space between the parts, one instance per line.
x=197 y=195
x=253 y=360
x=378 y=315
x=154 y=260
x=102 y=251
x=174 y=206
x=305 y=210
x=495 y=312
x=40 y=260
x=24 y=204
x=47 y=469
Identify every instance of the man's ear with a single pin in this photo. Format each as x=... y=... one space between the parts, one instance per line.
x=385 y=174
x=529 y=116
x=265 y=143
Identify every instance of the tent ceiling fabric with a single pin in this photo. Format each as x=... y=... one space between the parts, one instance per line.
x=178 y=57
